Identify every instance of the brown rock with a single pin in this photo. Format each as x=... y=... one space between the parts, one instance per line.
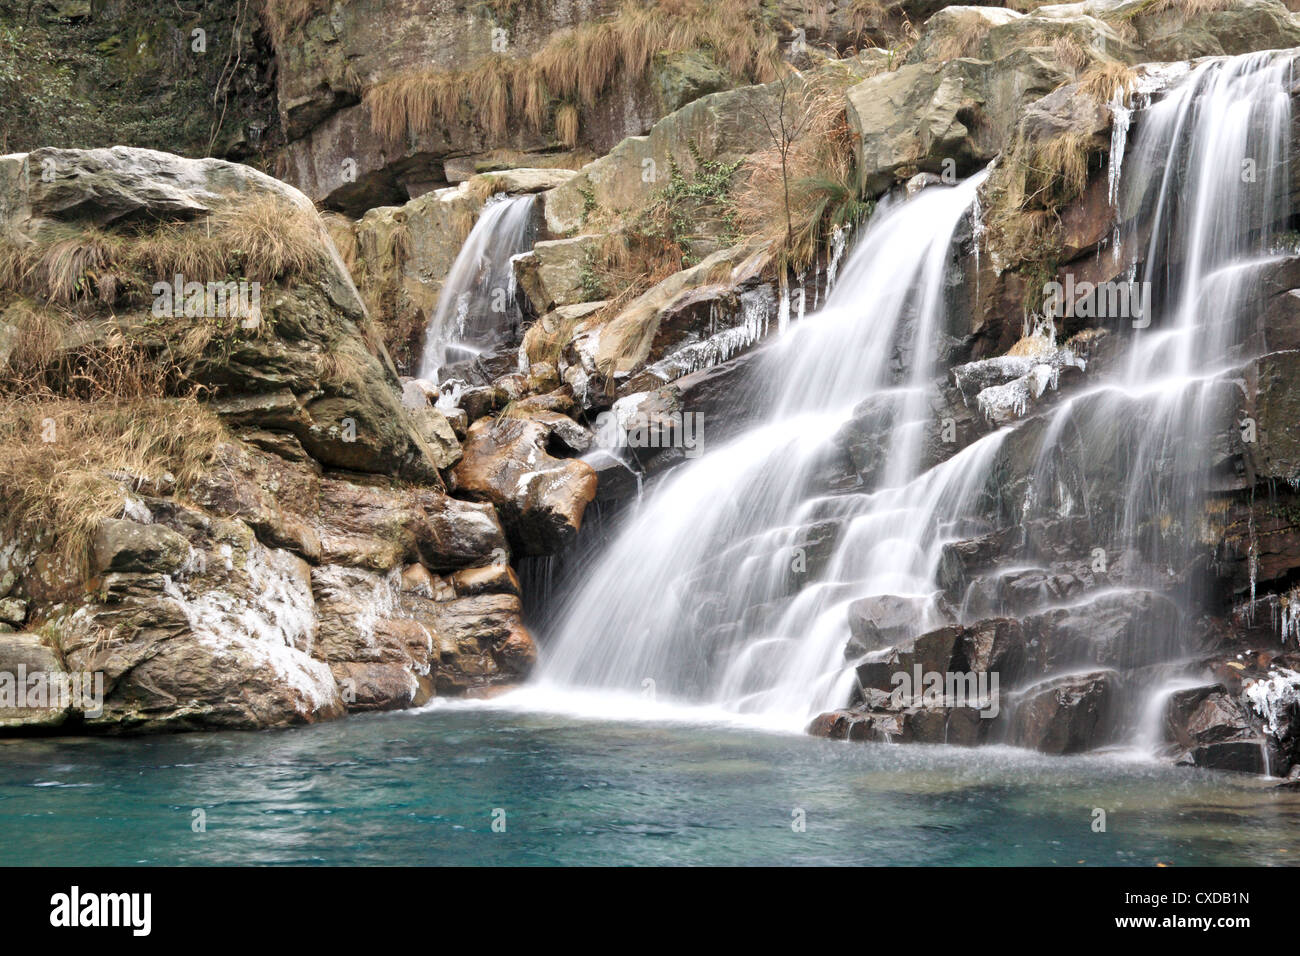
x=540 y=498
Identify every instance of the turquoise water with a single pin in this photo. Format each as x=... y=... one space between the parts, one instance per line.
x=421 y=788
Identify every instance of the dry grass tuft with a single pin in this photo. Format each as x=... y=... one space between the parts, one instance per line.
x=1107 y=82
x=57 y=352
x=1033 y=182
x=576 y=66
x=58 y=458
x=282 y=17
x=965 y=40
x=566 y=124
x=484 y=186
x=823 y=182
x=1188 y=8
x=263 y=239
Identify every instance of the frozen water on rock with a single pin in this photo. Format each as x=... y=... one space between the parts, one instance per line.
x=1273 y=695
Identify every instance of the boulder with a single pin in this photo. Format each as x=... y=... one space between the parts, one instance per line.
x=555 y=273
x=540 y=498
x=1065 y=715
x=943 y=117
x=885 y=619
x=490 y=579
x=31 y=684
x=123 y=545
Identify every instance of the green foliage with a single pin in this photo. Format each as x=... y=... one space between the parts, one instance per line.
x=589 y=203
x=593 y=287
x=689 y=201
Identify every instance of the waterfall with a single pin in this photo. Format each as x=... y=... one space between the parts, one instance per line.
x=699 y=597
x=476 y=309
x=733 y=583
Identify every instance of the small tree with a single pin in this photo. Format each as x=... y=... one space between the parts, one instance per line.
x=785 y=120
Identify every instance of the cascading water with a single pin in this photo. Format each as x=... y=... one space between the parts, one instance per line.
x=733 y=582
x=476 y=309
x=1204 y=191
x=678 y=598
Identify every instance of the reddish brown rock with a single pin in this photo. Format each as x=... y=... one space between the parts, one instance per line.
x=541 y=499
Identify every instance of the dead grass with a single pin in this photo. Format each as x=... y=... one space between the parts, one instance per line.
x=346 y=363
x=823 y=182
x=282 y=17
x=965 y=40
x=63 y=354
x=58 y=456
x=264 y=239
x=1070 y=51
x=631 y=261
x=1188 y=8
x=1035 y=180
x=576 y=66
x=484 y=186
x=1107 y=81
x=566 y=124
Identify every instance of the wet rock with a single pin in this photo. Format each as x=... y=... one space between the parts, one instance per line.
x=1123 y=630
x=885 y=619
x=490 y=579
x=1202 y=716
x=931 y=652
x=479 y=641
x=1276 y=452
x=28 y=666
x=540 y=498
x=124 y=545
x=1065 y=715
x=1239 y=756
x=367 y=687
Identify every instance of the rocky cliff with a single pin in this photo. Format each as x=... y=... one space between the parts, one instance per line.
x=259 y=517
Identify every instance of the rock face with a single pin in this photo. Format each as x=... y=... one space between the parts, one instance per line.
x=345 y=544
x=332 y=66
x=1066 y=715
x=308 y=567
x=29 y=667
x=720 y=127
x=541 y=499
